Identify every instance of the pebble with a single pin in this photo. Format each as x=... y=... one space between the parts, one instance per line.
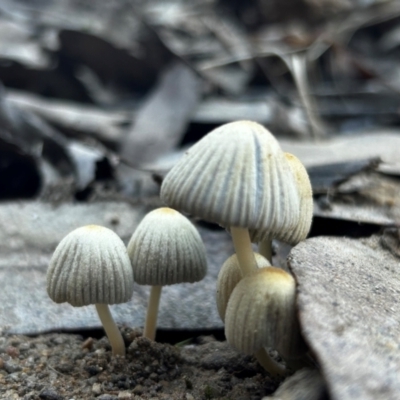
x=106 y=397
x=125 y=395
x=96 y=388
x=138 y=389
x=50 y=394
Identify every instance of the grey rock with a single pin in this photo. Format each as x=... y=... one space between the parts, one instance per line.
x=305 y=384
x=50 y=394
x=349 y=309
x=29 y=233
x=106 y=397
x=11 y=367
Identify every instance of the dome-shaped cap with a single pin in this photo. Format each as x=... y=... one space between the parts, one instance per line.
x=303 y=225
x=229 y=276
x=90 y=265
x=261 y=312
x=237 y=176
x=166 y=249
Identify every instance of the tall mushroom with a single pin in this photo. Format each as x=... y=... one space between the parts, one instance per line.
x=238 y=177
x=91 y=266
x=165 y=249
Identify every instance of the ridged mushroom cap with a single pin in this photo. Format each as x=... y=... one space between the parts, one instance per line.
x=303 y=225
x=261 y=312
x=237 y=175
x=229 y=276
x=166 y=249
x=90 y=265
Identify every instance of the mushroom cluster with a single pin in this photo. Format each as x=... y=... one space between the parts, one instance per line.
x=238 y=177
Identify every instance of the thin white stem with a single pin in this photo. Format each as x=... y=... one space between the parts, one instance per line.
x=265 y=249
x=112 y=331
x=269 y=364
x=152 y=313
x=243 y=249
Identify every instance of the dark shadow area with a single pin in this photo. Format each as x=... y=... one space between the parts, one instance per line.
x=170 y=336
x=337 y=227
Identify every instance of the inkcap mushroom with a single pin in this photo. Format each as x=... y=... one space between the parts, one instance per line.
x=262 y=312
x=229 y=276
x=238 y=177
x=165 y=249
x=91 y=266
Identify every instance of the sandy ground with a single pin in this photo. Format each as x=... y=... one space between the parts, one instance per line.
x=65 y=367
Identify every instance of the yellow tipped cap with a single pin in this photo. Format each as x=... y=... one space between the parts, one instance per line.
x=166 y=249
x=299 y=232
x=261 y=312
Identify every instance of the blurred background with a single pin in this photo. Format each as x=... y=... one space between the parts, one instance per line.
x=101 y=96
x=99 y=99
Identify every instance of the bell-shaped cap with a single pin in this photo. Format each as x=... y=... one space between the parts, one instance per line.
x=229 y=276
x=237 y=175
x=90 y=265
x=166 y=249
x=303 y=224
x=262 y=312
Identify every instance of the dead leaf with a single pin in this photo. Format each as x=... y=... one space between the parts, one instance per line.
x=350 y=314
x=163 y=118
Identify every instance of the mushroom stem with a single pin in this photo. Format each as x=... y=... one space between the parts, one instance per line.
x=111 y=329
x=243 y=249
x=265 y=249
x=269 y=364
x=152 y=312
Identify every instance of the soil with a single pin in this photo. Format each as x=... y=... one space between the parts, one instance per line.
x=59 y=366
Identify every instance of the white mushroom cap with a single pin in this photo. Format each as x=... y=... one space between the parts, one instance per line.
x=90 y=265
x=238 y=176
x=262 y=312
x=166 y=249
x=303 y=225
x=229 y=276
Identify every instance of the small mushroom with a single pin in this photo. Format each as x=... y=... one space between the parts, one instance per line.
x=262 y=312
x=229 y=276
x=91 y=266
x=165 y=249
x=236 y=176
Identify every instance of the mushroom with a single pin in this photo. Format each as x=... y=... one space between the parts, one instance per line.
x=229 y=276
x=91 y=266
x=165 y=249
x=262 y=312
x=236 y=176
x=303 y=225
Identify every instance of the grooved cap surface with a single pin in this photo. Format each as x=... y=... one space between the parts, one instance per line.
x=166 y=249
x=90 y=265
x=303 y=224
x=261 y=311
x=237 y=175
